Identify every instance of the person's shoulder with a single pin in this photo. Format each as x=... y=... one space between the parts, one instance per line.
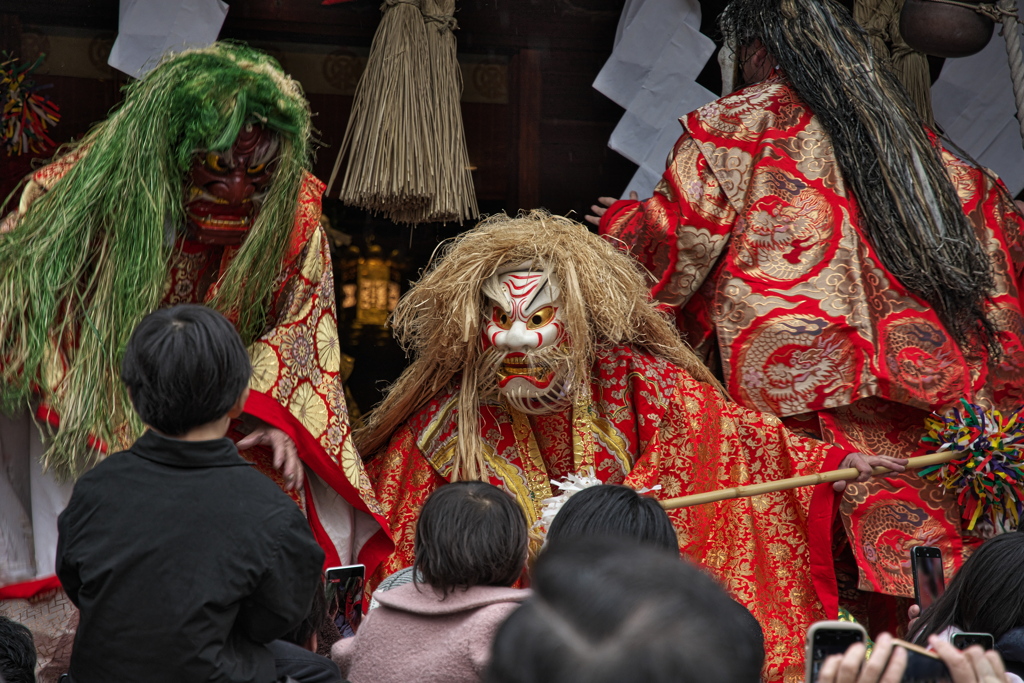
x=616 y=360
x=250 y=483
x=92 y=491
x=749 y=111
x=311 y=186
x=421 y=598
x=441 y=409
x=489 y=614
x=114 y=464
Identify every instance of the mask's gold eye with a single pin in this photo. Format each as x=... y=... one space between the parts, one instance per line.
x=255 y=170
x=501 y=319
x=541 y=318
x=215 y=162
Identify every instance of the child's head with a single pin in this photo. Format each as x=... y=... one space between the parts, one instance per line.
x=470 y=534
x=611 y=610
x=616 y=511
x=184 y=367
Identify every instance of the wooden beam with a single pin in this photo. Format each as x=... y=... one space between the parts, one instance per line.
x=526 y=69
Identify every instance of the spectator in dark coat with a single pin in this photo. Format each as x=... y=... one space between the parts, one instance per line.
x=183 y=559
x=614 y=511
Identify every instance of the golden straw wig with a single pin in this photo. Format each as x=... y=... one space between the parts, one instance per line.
x=439 y=321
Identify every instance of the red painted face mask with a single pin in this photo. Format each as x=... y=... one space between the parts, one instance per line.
x=227 y=188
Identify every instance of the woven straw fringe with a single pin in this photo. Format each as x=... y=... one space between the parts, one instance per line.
x=405 y=144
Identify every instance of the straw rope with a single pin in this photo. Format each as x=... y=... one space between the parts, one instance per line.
x=1004 y=11
x=991 y=11
x=1011 y=32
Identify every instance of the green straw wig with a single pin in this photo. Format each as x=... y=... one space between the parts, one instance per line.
x=90 y=257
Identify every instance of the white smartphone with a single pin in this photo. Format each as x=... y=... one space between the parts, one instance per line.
x=826 y=638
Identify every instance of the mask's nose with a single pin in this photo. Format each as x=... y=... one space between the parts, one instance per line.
x=518 y=338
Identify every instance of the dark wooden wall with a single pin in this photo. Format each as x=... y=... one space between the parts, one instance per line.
x=545 y=147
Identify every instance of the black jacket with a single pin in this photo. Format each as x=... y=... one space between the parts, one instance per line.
x=1011 y=647
x=184 y=561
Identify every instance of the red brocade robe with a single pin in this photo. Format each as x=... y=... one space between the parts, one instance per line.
x=754 y=243
x=648 y=423
x=296 y=384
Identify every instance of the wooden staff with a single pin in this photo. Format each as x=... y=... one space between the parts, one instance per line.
x=797 y=482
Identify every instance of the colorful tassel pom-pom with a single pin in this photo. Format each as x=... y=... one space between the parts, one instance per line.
x=988 y=477
x=25 y=114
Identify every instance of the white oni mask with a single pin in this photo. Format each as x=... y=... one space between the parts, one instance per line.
x=525 y=326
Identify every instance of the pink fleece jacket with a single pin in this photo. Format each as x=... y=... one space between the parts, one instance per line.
x=416 y=636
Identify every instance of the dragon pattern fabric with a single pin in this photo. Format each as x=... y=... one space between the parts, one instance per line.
x=753 y=244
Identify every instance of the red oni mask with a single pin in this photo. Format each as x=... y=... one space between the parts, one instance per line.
x=228 y=187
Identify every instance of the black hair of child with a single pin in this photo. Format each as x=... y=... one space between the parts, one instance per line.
x=616 y=511
x=17 y=652
x=608 y=610
x=184 y=367
x=313 y=622
x=470 y=533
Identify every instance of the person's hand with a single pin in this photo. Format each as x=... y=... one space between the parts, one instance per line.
x=865 y=464
x=602 y=205
x=850 y=666
x=913 y=612
x=286 y=456
x=973 y=665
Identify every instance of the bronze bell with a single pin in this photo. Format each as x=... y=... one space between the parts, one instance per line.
x=944 y=30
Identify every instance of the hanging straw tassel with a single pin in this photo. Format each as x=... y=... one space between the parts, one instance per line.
x=390 y=166
x=881 y=19
x=797 y=482
x=454 y=199
x=405 y=140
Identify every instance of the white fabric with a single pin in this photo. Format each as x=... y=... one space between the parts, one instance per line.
x=17 y=554
x=49 y=498
x=150 y=29
x=658 y=54
x=348 y=529
x=973 y=104
x=30 y=501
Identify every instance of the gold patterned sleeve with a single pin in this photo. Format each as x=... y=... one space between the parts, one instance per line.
x=296 y=383
x=759 y=548
x=679 y=233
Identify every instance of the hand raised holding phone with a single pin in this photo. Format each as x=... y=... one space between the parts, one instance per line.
x=890 y=658
x=850 y=666
x=929 y=580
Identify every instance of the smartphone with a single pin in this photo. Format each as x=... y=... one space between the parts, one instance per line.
x=345 y=596
x=826 y=638
x=923 y=666
x=962 y=641
x=929 y=582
